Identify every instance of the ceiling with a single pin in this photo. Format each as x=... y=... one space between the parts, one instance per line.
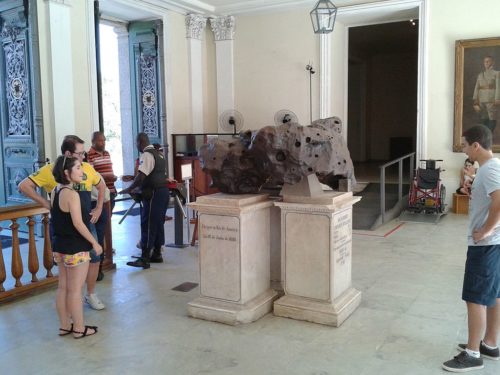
x=350 y=11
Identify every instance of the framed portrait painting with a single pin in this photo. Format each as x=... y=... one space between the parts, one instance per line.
x=477 y=88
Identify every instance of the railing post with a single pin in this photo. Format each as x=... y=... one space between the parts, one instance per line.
x=48 y=260
x=17 y=262
x=3 y=274
x=382 y=193
x=412 y=167
x=400 y=180
x=108 y=239
x=33 y=265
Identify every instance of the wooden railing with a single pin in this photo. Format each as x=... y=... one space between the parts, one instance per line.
x=28 y=211
x=13 y=214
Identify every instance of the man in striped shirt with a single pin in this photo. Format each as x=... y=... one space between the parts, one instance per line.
x=100 y=159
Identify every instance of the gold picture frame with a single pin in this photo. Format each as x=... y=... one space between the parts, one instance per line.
x=471 y=92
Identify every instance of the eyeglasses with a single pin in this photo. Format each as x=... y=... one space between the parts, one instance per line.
x=79 y=153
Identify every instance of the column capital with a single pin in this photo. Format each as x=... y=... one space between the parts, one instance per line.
x=223 y=27
x=195 y=24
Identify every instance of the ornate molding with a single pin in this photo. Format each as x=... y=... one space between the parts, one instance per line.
x=195 y=24
x=223 y=27
x=148 y=77
x=11 y=30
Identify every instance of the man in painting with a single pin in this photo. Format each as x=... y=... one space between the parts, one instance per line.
x=486 y=98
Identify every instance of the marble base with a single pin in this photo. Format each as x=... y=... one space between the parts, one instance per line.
x=234 y=258
x=332 y=314
x=316 y=251
x=231 y=313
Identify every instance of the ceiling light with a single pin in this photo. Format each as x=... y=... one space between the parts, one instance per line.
x=323 y=17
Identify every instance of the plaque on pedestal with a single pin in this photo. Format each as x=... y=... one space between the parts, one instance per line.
x=316 y=239
x=234 y=243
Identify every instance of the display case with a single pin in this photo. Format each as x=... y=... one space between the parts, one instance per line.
x=185 y=151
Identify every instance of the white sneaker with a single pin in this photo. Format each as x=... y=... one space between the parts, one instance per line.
x=94 y=302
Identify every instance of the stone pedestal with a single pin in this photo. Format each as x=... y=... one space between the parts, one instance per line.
x=234 y=244
x=316 y=244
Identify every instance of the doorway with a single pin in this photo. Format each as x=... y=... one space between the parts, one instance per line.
x=382 y=95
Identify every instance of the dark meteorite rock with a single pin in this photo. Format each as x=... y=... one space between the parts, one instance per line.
x=277 y=155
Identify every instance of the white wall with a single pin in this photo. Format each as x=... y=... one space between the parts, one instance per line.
x=450 y=20
x=270 y=54
x=178 y=71
x=82 y=122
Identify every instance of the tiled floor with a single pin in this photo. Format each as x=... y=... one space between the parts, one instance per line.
x=409 y=322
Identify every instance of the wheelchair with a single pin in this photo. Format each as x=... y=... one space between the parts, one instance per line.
x=427 y=193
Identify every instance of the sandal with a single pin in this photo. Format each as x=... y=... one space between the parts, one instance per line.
x=85 y=332
x=66 y=331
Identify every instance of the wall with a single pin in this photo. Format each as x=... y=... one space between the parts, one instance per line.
x=449 y=21
x=270 y=55
x=85 y=91
x=82 y=122
x=46 y=81
x=177 y=86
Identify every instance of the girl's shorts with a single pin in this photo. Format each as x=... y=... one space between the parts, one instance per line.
x=72 y=260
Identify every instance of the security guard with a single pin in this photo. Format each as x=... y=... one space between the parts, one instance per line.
x=150 y=184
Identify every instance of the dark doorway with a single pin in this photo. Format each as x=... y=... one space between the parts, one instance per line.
x=382 y=94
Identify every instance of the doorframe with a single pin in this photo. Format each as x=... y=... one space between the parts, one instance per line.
x=363 y=15
x=162 y=13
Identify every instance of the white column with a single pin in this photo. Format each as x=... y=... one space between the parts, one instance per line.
x=125 y=99
x=325 y=85
x=223 y=29
x=195 y=25
x=61 y=67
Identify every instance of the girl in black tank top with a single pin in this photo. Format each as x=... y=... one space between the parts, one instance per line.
x=72 y=243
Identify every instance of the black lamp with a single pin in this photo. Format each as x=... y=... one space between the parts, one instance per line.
x=323 y=17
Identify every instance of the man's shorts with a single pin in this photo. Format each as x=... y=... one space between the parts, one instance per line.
x=482 y=275
x=71 y=260
x=94 y=258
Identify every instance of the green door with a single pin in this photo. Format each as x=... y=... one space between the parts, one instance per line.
x=21 y=129
x=145 y=80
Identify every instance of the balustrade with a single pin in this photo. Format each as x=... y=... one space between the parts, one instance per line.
x=13 y=215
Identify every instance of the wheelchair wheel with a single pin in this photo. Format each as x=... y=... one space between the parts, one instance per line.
x=442 y=197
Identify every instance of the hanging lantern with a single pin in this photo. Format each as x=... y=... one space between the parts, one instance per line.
x=323 y=17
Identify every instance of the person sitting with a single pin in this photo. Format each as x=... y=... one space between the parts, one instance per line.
x=467 y=175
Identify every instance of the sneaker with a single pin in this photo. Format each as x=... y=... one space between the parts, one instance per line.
x=93 y=301
x=485 y=352
x=463 y=363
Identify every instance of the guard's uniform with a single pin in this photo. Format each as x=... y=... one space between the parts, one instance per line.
x=155 y=197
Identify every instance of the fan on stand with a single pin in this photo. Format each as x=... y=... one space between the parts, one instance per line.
x=231 y=121
x=285 y=116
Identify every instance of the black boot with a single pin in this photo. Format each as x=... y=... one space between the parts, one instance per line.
x=143 y=261
x=156 y=257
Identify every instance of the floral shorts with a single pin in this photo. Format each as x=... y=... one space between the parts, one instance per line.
x=72 y=260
